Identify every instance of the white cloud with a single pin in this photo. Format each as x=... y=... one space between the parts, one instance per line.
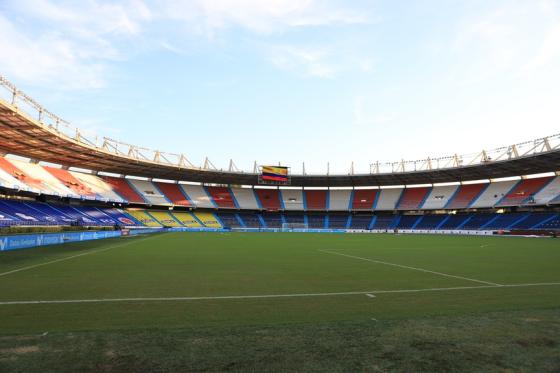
x=306 y=61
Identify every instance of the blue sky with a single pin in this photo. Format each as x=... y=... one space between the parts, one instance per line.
x=292 y=80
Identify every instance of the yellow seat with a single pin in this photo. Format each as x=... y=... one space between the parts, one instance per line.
x=144 y=218
x=208 y=219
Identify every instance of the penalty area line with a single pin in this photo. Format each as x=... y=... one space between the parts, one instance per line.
x=370 y=294
x=412 y=268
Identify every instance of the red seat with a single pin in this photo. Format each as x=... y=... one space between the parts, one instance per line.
x=173 y=193
x=524 y=190
x=269 y=198
x=465 y=196
x=222 y=197
x=17 y=173
x=316 y=199
x=364 y=199
x=70 y=181
x=123 y=188
x=412 y=198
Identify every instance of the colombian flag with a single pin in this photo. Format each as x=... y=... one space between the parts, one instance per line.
x=275 y=173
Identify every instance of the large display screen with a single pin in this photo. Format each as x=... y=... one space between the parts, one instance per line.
x=274 y=175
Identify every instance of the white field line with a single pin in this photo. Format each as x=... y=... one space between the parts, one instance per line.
x=296 y=295
x=72 y=257
x=409 y=267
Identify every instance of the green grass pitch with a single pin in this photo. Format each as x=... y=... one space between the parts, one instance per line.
x=223 y=289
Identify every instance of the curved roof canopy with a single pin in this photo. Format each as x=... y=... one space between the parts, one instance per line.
x=29 y=130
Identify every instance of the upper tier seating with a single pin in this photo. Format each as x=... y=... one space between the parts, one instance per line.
x=339 y=199
x=123 y=188
x=466 y=194
x=174 y=193
x=222 y=197
x=388 y=199
x=164 y=218
x=71 y=182
x=546 y=194
x=316 y=199
x=18 y=179
x=292 y=199
x=269 y=199
x=144 y=218
x=149 y=192
x=493 y=194
x=49 y=184
x=364 y=199
x=524 y=191
x=187 y=219
x=413 y=198
x=103 y=190
x=208 y=219
x=439 y=197
x=197 y=195
x=245 y=198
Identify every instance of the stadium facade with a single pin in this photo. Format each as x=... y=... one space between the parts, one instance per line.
x=103 y=182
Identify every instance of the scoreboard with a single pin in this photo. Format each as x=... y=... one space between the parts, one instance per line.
x=274 y=175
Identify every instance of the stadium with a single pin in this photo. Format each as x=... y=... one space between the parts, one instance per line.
x=118 y=257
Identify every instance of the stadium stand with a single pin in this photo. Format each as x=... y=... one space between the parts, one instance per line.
x=149 y=192
x=187 y=219
x=385 y=222
x=197 y=195
x=123 y=188
x=316 y=221
x=50 y=185
x=506 y=221
x=292 y=199
x=339 y=199
x=316 y=199
x=439 y=197
x=364 y=199
x=408 y=221
x=164 y=218
x=103 y=190
x=295 y=218
x=229 y=219
x=269 y=199
x=413 y=198
x=144 y=218
x=272 y=220
x=388 y=199
x=245 y=198
x=208 y=219
x=465 y=196
x=173 y=193
x=250 y=220
x=338 y=221
x=431 y=221
x=454 y=221
x=222 y=197
x=550 y=224
x=478 y=221
x=17 y=177
x=71 y=182
x=524 y=191
x=546 y=194
x=493 y=194
x=361 y=221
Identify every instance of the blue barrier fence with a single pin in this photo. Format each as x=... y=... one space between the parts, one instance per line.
x=24 y=241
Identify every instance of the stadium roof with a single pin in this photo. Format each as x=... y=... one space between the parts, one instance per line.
x=42 y=136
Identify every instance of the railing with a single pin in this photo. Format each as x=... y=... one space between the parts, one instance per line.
x=22 y=103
